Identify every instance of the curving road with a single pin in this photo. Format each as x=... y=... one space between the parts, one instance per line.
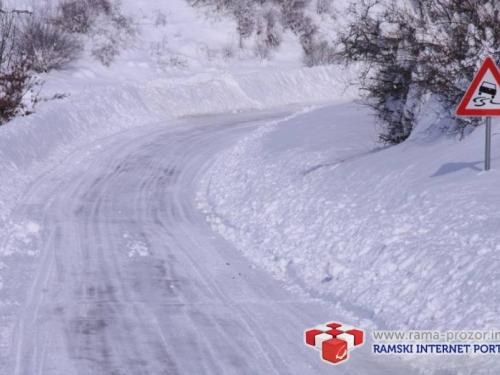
x=131 y=280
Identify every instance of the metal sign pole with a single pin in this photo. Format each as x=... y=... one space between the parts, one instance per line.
x=487 y=159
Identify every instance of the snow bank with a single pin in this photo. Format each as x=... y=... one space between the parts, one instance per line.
x=405 y=236
x=206 y=94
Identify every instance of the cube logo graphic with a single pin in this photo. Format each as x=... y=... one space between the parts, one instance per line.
x=334 y=340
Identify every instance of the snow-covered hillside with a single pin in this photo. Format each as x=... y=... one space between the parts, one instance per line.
x=173 y=40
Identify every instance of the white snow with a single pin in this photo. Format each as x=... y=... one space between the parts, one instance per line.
x=33 y=227
x=392 y=238
x=137 y=248
x=19 y=238
x=406 y=235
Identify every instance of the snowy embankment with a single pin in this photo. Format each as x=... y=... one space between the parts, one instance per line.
x=407 y=236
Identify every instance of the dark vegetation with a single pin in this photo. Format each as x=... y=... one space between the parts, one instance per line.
x=46 y=38
x=268 y=19
x=431 y=49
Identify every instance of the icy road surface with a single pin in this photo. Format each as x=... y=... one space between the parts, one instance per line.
x=130 y=279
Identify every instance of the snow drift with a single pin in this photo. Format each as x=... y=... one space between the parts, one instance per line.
x=405 y=236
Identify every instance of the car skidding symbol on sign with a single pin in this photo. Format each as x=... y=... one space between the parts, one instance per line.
x=487 y=88
x=482 y=96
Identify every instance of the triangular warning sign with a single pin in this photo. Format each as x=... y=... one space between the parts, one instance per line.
x=483 y=95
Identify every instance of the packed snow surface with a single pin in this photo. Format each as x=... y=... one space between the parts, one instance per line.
x=106 y=264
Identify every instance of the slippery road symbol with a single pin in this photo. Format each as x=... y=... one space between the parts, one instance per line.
x=481 y=97
x=486 y=88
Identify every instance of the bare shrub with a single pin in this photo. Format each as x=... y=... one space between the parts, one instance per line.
x=228 y=52
x=104 y=51
x=46 y=45
x=292 y=12
x=8 y=38
x=15 y=84
x=217 y=4
x=387 y=77
x=101 y=6
x=320 y=53
x=323 y=6
x=76 y=16
x=177 y=61
x=110 y=34
x=307 y=31
x=124 y=24
x=160 y=51
x=16 y=80
x=271 y=29
x=261 y=50
x=245 y=20
x=110 y=30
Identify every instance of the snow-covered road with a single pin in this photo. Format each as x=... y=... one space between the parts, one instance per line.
x=130 y=278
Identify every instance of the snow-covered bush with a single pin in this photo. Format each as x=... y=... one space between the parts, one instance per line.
x=75 y=16
x=78 y=16
x=457 y=37
x=268 y=29
x=433 y=48
x=110 y=33
x=292 y=12
x=307 y=31
x=266 y=20
x=387 y=77
x=17 y=83
x=261 y=50
x=177 y=61
x=160 y=53
x=109 y=30
x=8 y=40
x=323 y=6
x=217 y=4
x=245 y=19
x=319 y=53
x=164 y=58
x=46 y=45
